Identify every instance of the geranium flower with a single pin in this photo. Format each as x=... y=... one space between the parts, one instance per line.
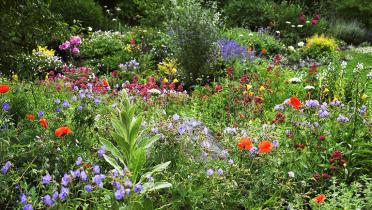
x=43 y=122
x=320 y=198
x=4 y=88
x=245 y=143
x=265 y=146
x=62 y=131
x=295 y=102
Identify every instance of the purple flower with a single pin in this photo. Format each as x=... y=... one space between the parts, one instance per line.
x=323 y=113
x=342 y=119
x=363 y=109
x=77 y=173
x=220 y=171
x=6 y=167
x=40 y=114
x=231 y=50
x=97 y=101
x=55 y=196
x=335 y=103
x=27 y=207
x=23 y=198
x=155 y=130
x=6 y=106
x=231 y=161
x=83 y=176
x=117 y=185
x=276 y=143
x=119 y=194
x=312 y=103
x=115 y=173
x=253 y=151
x=128 y=183
x=65 y=104
x=74 y=98
x=65 y=180
x=176 y=117
x=323 y=106
x=137 y=188
x=80 y=108
x=46 y=179
x=88 y=188
x=230 y=130
x=64 y=193
x=47 y=200
x=98 y=180
x=58 y=101
x=101 y=151
x=58 y=110
x=279 y=107
x=79 y=160
x=96 y=169
x=182 y=129
x=210 y=172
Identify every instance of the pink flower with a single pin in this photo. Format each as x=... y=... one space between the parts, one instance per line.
x=317 y=17
x=75 y=40
x=65 y=45
x=75 y=51
x=314 y=22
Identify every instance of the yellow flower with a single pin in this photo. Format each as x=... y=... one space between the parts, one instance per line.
x=262 y=88
x=175 y=80
x=15 y=77
x=325 y=91
x=251 y=93
x=335 y=99
x=165 y=80
x=174 y=70
x=249 y=87
x=364 y=97
x=46 y=77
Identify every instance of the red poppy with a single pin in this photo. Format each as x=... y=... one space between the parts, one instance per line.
x=43 y=122
x=245 y=143
x=4 y=88
x=265 y=146
x=320 y=198
x=62 y=131
x=105 y=83
x=30 y=117
x=263 y=51
x=295 y=102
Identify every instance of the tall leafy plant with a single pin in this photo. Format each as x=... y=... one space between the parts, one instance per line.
x=129 y=148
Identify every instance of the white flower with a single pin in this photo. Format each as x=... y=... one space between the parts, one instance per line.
x=309 y=87
x=293 y=26
x=343 y=64
x=295 y=80
x=299 y=26
x=241 y=35
x=250 y=34
x=291 y=48
x=278 y=32
x=291 y=174
x=114 y=19
x=154 y=91
x=308 y=21
x=90 y=28
x=288 y=22
x=300 y=44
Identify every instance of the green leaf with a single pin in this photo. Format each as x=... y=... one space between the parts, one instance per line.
x=151 y=186
x=147 y=142
x=134 y=129
x=114 y=164
x=114 y=151
x=157 y=168
x=123 y=145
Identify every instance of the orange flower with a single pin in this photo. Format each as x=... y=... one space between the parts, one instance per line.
x=105 y=83
x=320 y=198
x=263 y=51
x=265 y=146
x=4 y=88
x=295 y=102
x=245 y=143
x=43 y=122
x=30 y=117
x=62 y=131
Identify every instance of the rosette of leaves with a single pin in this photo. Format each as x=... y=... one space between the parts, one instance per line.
x=129 y=148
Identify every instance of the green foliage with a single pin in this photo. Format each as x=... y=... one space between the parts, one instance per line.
x=194 y=33
x=26 y=24
x=351 y=32
x=88 y=12
x=131 y=150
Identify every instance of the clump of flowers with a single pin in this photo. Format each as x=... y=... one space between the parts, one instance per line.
x=129 y=65
x=168 y=66
x=72 y=45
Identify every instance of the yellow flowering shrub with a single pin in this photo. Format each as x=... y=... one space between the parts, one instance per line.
x=168 y=66
x=321 y=41
x=44 y=51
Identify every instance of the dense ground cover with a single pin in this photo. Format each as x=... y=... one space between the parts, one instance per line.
x=191 y=114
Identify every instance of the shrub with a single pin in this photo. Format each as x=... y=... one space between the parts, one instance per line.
x=349 y=31
x=194 y=35
x=87 y=11
x=319 y=46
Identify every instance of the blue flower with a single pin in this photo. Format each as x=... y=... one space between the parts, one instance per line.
x=65 y=180
x=182 y=129
x=46 y=179
x=74 y=98
x=64 y=193
x=88 y=188
x=253 y=151
x=276 y=143
x=312 y=103
x=96 y=169
x=341 y=118
x=98 y=179
x=101 y=151
x=23 y=198
x=58 y=101
x=79 y=160
x=128 y=183
x=220 y=171
x=6 y=167
x=27 y=207
x=58 y=110
x=40 y=114
x=119 y=194
x=80 y=108
x=65 y=103
x=176 y=117
x=323 y=113
x=55 y=196
x=115 y=173
x=47 y=200
x=137 y=188
x=83 y=176
x=231 y=50
x=210 y=172
x=77 y=173
x=6 y=106
x=97 y=101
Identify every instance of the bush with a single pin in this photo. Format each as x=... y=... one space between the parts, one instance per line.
x=319 y=46
x=194 y=34
x=87 y=11
x=351 y=32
